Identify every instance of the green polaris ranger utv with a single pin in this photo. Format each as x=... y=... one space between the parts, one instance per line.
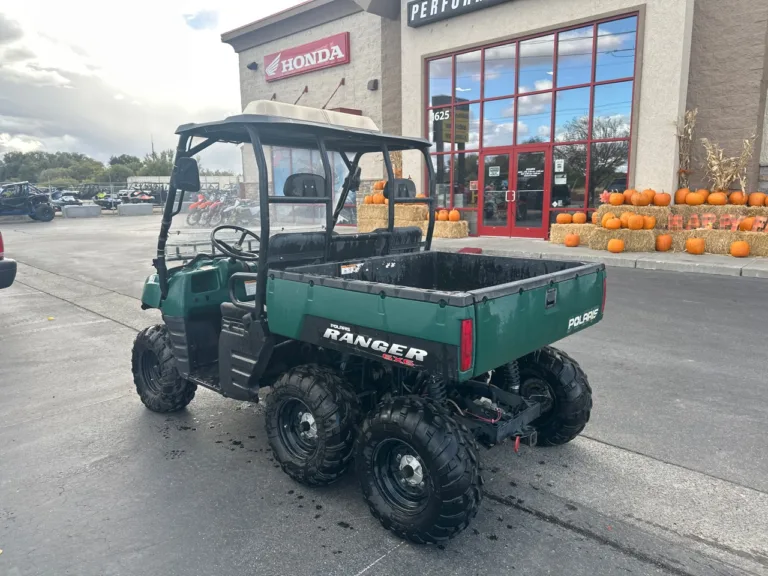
x=377 y=350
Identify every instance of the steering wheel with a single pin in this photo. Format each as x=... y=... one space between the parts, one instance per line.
x=235 y=251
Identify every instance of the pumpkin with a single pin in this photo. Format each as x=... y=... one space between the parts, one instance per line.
x=378 y=198
x=694 y=199
x=368 y=199
x=650 y=193
x=572 y=240
x=680 y=195
x=663 y=242
x=649 y=222
x=420 y=196
x=594 y=217
x=662 y=199
x=694 y=245
x=564 y=218
x=746 y=224
x=628 y=196
x=579 y=218
x=740 y=249
x=616 y=199
x=704 y=192
x=640 y=199
x=379 y=184
x=615 y=245
x=442 y=215
x=756 y=199
x=613 y=224
x=635 y=222
x=737 y=198
x=766 y=199
x=454 y=216
x=607 y=216
x=717 y=199
x=625 y=219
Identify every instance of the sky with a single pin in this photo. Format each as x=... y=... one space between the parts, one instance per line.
x=108 y=78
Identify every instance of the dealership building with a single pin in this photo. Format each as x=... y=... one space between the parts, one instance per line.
x=532 y=106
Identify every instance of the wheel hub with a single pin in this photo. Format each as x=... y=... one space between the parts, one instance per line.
x=411 y=470
x=307 y=426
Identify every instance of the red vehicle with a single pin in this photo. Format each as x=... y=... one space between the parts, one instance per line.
x=195 y=209
x=7 y=267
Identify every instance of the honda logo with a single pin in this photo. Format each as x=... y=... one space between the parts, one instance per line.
x=325 y=53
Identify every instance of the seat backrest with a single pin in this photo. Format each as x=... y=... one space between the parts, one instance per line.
x=404 y=188
x=304 y=186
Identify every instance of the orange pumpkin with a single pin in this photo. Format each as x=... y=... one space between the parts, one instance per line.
x=649 y=222
x=594 y=217
x=766 y=199
x=579 y=218
x=607 y=216
x=378 y=198
x=650 y=193
x=572 y=240
x=615 y=245
x=746 y=224
x=680 y=195
x=662 y=199
x=704 y=192
x=420 y=196
x=717 y=199
x=625 y=219
x=635 y=222
x=379 y=184
x=442 y=215
x=663 y=242
x=740 y=249
x=757 y=199
x=628 y=195
x=368 y=199
x=564 y=218
x=694 y=245
x=616 y=199
x=613 y=224
x=454 y=216
x=694 y=199
x=640 y=199
x=737 y=198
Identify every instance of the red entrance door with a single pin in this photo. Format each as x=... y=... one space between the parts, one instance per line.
x=514 y=193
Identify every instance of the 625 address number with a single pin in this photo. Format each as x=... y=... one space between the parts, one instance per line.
x=440 y=115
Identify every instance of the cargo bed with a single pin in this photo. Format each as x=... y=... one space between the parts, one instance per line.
x=516 y=305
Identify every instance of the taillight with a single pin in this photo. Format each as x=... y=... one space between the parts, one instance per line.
x=2 y=248
x=467 y=344
x=605 y=293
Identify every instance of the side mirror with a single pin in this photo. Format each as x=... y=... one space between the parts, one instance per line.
x=186 y=175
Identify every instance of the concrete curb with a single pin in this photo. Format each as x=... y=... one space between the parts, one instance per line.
x=135 y=209
x=86 y=211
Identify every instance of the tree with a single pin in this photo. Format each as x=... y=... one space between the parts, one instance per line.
x=117 y=173
x=158 y=163
x=50 y=174
x=124 y=160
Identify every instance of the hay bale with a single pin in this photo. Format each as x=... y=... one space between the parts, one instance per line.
x=372 y=212
x=458 y=229
x=679 y=237
x=634 y=240
x=686 y=211
x=411 y=212
x=719 y=241
x=757 y=210
x=660 y=212
x=558 y=232
x=370 y=224
x=758 y=243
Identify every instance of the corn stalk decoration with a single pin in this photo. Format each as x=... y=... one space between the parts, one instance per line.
x=397 y=163
x=722 y=170
x=685 y=145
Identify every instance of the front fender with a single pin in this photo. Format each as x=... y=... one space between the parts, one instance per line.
x=151 y=295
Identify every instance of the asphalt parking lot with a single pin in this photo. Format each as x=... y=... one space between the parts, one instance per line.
x=670 y=477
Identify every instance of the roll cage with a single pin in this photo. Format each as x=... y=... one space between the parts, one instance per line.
x=265 y=130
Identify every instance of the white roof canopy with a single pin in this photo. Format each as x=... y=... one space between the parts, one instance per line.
x=307 y=114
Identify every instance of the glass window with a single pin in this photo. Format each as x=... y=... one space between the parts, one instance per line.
x=281 y=169
x=536 y=59
x=574 y=56
x=534 y=118
x=441 y=164
x=616 y=49
x=465 y=180
x=613 y=111
x=440 y=122
x=499 y=122
x=572 y=115
x=608 y=168
x=440 y=81
x=499 y=71
x=468 y=76
x=466 y=129
x=569 y=175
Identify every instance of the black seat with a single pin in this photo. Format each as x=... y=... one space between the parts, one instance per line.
x=304 y=185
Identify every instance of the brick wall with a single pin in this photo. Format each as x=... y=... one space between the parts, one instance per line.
x=727 y=80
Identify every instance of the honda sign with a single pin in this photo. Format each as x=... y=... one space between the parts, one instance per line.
x=325 y=53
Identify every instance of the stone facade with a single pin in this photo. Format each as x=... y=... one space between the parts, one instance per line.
x=728 y=81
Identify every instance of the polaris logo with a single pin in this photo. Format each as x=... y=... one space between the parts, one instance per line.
x=391 y=352
x=585 y=318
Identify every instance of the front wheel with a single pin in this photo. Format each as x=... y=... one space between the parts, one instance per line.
x=419 y=470
x=193 y=217
x=157 y=381
x=44 y=213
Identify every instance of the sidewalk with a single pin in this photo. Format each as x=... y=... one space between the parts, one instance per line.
x=674 y=261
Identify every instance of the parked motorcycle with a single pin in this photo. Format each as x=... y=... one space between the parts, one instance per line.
x=195 y=209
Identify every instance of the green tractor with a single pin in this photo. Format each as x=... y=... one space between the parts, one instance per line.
x=378 y=351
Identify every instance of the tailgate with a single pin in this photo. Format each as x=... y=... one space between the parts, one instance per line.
x=515 y=319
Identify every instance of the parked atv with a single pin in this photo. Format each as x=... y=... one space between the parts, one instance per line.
x=61 y=198
x=377 y=350
x=107 y=200
x=24 y=199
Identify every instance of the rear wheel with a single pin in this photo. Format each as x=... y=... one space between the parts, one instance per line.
x=310 y=420
x=158 y=383
x=556 y=380
x=44 y=213
x=193 y=217
x=419 y=470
